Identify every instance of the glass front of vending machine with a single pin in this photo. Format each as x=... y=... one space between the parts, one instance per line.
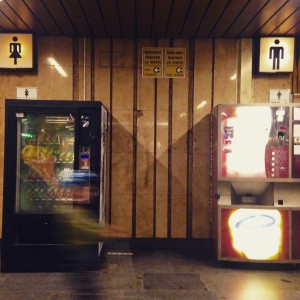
x=51 y=184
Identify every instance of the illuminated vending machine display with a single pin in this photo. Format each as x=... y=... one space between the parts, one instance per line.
x=255 y=234
x=255 y=142
x=255 y=185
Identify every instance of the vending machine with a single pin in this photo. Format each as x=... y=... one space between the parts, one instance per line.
x=54 y=184
x=255 y=168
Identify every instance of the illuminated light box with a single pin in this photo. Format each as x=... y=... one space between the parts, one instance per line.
x=276 y=54
x=255 y=234
x=17 y=51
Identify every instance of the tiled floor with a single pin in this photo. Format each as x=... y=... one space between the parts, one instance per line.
x=157 y=274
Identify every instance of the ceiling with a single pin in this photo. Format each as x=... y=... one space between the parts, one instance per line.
x=152 y=18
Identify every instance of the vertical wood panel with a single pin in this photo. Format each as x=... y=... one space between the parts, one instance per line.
x=190 y=174
x=225 y=89
x=203 y=85
x=244 y=71
x=179 y=149
x=162 y=130
x=145 y=153
x=75 y=69
x=134 y=139
x=170 y=146
x=102 y=91
x=92 y=69
x=123 y=120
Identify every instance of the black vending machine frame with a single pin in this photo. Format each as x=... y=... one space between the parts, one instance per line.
x=46 y=254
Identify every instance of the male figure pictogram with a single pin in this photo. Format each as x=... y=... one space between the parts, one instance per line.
x=276 y=53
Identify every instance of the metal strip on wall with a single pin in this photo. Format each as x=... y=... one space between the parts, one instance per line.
x=92 y=69
x=189 y=211
x=134 y=138
x=75 y=68
x=170 y=118
x=111 y=47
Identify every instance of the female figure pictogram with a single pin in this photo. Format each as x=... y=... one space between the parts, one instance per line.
x=15 y=50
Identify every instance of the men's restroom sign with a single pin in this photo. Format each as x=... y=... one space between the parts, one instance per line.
x=276 y=54
x=16 y=51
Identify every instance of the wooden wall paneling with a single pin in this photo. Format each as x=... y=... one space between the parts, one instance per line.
x=63 y=55
x=225 y=72
x=145 y=11
x=244 y=71
x=145 y=149
x=41 y=14
x=110 y=18
x=92 y=59
x=162 y=138
x=214 y=12
x=290 y=26
x=122 y=125
x=201 y=138
x=161 y=14
x=102 y=92
x=190 y=136
x=25 y=20
x=279 y=18
x=231 y=71
x=85 y=69
x=194 y=18
x=262 y=84
x=245 y=17
x=178 y=18
x=270 y=10
x=179 y=148
x=134 y=138
x=59 y=15
x=127 y=18
x=170 y=153
x=103 y=71
x=296 y=75
x=228 y=18
x=93 y=9
x=75 y=69
x=2 y=114
x=77 y=17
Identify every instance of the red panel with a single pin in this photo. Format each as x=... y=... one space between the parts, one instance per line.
x=296 y=234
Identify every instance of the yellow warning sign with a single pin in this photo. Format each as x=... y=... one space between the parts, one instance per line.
x=16 y=51
x=175 y=62
x=152 y=60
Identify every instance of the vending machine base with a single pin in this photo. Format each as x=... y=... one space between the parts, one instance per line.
x=50 y=258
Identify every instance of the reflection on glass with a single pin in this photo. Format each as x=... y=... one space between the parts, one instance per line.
x=45 y=148
x=254 y=142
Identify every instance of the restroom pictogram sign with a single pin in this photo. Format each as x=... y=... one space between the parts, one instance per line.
x=276 y=54
x=16 y=51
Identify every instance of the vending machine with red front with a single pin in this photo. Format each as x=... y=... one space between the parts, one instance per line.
x=54 y=184
x=255 y=163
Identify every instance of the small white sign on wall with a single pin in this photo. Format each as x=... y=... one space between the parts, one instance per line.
x=27 y=93
x=279 y=96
